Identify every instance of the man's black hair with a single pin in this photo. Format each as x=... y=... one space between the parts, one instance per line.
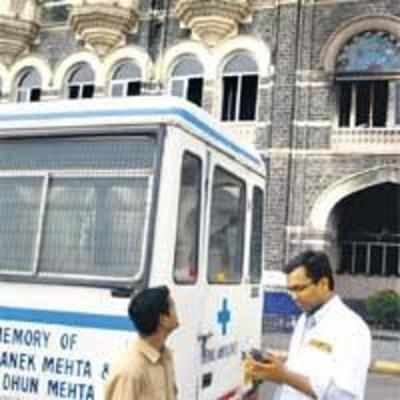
x=316 y=264
x=146 y=307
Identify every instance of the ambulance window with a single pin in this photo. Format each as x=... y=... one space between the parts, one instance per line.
x=82 y=209
x=256 y=236
x=225 y=248
x=94 y=226
x=187 y=239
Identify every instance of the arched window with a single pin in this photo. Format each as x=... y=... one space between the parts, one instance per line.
x=187 y=80
x=239 y=88
x=80 y=83
x=29 y=86
x=364 y=68
x=126 y=80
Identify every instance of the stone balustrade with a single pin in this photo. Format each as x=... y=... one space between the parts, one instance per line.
x=360 y=140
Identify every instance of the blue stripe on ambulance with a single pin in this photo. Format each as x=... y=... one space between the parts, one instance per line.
x=66 y=318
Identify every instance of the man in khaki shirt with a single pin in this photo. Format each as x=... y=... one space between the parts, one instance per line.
x=146 y=371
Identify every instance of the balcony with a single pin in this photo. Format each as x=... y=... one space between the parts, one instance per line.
x=366 y=140
x=212 y=21
x=19 y=26
x=103 y=25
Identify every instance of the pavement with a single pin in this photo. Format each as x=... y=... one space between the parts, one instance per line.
x=379 y=387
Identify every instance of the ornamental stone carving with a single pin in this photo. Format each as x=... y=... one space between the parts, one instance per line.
x=103 y=24
x=19 y=26
x=212 y=21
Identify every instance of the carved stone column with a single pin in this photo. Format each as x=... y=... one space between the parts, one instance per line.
x=211 y=21
x=103 y=24
x=19 y=26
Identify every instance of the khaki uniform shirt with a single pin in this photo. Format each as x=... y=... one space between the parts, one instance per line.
x=142 y=374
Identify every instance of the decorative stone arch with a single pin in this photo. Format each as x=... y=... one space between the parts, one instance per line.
x=82 y=57
x=129 y=53
x=40 y=64
x=325 y=203
x=354 y=26
x=257 y=48
x=198 y=50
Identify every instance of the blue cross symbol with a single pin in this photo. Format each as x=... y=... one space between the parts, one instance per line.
x=224 y=316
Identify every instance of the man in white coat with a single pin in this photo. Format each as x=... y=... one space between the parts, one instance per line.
x=330 y=349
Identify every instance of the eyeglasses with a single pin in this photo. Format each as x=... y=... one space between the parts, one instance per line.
x=299 y=288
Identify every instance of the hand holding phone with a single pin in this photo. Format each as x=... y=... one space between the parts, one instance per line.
x=258 y=355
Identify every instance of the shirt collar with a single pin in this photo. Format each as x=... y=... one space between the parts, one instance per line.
x=325 y=308
x=152 y=354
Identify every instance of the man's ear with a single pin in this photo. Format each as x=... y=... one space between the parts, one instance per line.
x=324 y=282
x=163 y=318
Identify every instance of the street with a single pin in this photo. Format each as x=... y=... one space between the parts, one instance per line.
x=378 y=387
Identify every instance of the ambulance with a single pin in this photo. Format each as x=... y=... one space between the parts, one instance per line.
x=101 y=198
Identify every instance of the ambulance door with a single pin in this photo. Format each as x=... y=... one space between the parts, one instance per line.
x=252 y=293
x=182 y=226
x=220 y=336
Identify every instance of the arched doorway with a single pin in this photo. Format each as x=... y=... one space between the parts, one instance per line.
x=359 y=219
x=368 y=232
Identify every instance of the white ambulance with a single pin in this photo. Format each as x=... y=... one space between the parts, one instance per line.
x=100 y=198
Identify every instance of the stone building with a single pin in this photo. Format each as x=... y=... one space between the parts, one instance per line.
x=312 y=84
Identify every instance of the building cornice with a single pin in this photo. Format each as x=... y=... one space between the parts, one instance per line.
x=19 y=27
x=212 y=21
x=103 y=26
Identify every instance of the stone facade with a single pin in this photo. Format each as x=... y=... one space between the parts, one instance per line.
x=312 y=163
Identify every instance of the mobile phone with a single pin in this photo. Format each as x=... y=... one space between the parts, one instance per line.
x=260 y=356
x=257 y=355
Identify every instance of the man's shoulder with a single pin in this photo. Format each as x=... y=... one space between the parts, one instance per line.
x=352 y=320
x=132 y=363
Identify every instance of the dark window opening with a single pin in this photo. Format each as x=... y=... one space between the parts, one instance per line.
x=87 y=91
x=346 y=259
x=392 y=261
x=73 y=92
x=157 y=4
x=134 y=88
x=363 y=104
x=248 y=98
x=230 y=89
x=376 y=260
x=195 y=91
x=345 y=104
x=360 y=259
x=381 y=94
x=35 y=94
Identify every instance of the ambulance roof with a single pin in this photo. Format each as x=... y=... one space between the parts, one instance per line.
x=30 y=118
